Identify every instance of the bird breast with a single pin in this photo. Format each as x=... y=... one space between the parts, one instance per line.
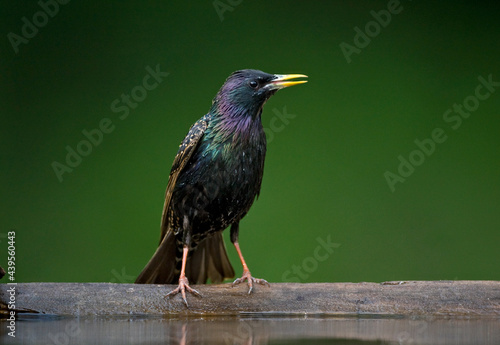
x=219 y=185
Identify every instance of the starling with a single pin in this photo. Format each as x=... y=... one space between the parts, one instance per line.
x=214 y=180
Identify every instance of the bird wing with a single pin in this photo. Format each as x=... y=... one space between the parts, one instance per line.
x=185 y=152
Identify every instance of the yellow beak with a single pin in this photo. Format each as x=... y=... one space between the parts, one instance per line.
x=284 y=80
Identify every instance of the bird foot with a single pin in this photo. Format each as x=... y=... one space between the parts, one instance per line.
x=183 y=286
x=250 y=280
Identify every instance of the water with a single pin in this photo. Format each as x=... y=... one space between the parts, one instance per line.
x=253 y=329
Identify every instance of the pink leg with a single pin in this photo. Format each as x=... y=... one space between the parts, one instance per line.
x=183 y=281
x=246 y=273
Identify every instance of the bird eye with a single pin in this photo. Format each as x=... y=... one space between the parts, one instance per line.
x=253 y=84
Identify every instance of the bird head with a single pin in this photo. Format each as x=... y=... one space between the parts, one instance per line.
x=246 y=91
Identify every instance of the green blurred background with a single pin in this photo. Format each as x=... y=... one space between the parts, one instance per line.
x=324 y=175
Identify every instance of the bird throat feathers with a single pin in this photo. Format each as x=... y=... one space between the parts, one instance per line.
x=236 y=124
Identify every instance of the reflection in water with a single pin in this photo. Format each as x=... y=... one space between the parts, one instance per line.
x=254 y=329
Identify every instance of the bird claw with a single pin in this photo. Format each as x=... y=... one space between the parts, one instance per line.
x=183 y=286
x=250 y=280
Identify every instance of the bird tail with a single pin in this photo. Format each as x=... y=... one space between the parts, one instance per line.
x=162 y=268
x=207 y=261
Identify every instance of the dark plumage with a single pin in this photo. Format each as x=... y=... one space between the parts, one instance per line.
x=214 y=180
